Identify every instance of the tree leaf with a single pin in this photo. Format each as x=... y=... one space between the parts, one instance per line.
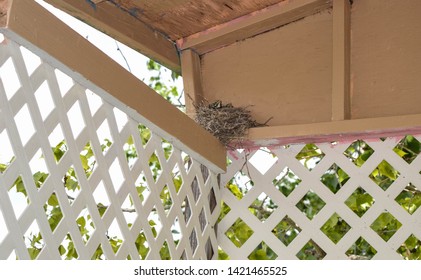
x=387 y=170
x=400 y=152
x=152 y=65
x=235 y=191
x=53 y=201
x=2 y=167
x=413 y=144
x=81 y=221
x=61 y=250
x=84 y=161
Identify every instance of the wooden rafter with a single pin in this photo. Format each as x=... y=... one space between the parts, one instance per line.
x=121 y=25
x=31 y=24
x=253 y=24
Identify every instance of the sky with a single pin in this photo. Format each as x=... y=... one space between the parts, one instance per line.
x=108 y=45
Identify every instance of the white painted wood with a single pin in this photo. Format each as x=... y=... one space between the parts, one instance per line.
x=84 y=201
x=115 y=220
x=335 y=203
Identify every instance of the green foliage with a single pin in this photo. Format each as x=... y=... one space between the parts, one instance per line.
x=140 y=189
x=286 y=183
x=334 y=178
x=386 y=226
x=5 y=165
x=87 y=158
x=130 y=151
x=286 y=230
x=359 y=152
x=165 y=252
x=99 y=254
x=360 y=201
x=115 y=243
x=235 y=190
x=411 y=249
x=35 y=245
x=162 y=81
x=335 y=228
x=361 y=249
x=310 y=204
x=408 y=148
x=165 y=197
x=155 y=166
x=262 y=252
x=409 y=199
x=39 y=178
x=141 y=243
x=84 y=222
x=222 y=255
x=239 y=232
x=20 y=187
x=311 y=251
x=67 y=249
x=310 y=155
x=145 y=134
x=384 y=175
x=53 y=211
x=164 y=86
x=60 y=150
x=70 y=180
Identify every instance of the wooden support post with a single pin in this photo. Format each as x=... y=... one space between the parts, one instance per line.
x=341 y=61
x=190 y=67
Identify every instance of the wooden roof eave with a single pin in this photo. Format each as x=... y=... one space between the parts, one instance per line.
x=128 y=29
x=27 y=23
x=124 y=27
x=252 y=24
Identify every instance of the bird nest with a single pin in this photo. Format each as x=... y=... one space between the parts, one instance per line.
x=227 y=123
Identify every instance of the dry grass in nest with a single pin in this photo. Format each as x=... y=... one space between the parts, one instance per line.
x=224 y=121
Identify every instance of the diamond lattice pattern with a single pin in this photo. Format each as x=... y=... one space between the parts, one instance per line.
x=81 y=179
x=327 y=201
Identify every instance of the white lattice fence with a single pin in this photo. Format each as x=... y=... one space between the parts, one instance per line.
x=327 y=201
x=79 y=178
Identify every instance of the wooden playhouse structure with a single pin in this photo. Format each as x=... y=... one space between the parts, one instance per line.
x=325 y=71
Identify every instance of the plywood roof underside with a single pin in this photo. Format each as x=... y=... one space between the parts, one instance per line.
x=181 y=18
x=162 y=29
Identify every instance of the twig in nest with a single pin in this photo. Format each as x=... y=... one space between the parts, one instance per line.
x=224 y=121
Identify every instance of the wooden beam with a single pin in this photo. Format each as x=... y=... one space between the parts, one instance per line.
x=32 y=26
x=4 y=11
x=113 y=21
x=252 y=24
x=346 y=130
x=192 y=79
x=341 y=60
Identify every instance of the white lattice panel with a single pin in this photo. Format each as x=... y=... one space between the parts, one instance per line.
x=296 y=202
x=80 y=178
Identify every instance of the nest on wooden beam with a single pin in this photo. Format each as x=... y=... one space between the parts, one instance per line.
x=227 y=123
